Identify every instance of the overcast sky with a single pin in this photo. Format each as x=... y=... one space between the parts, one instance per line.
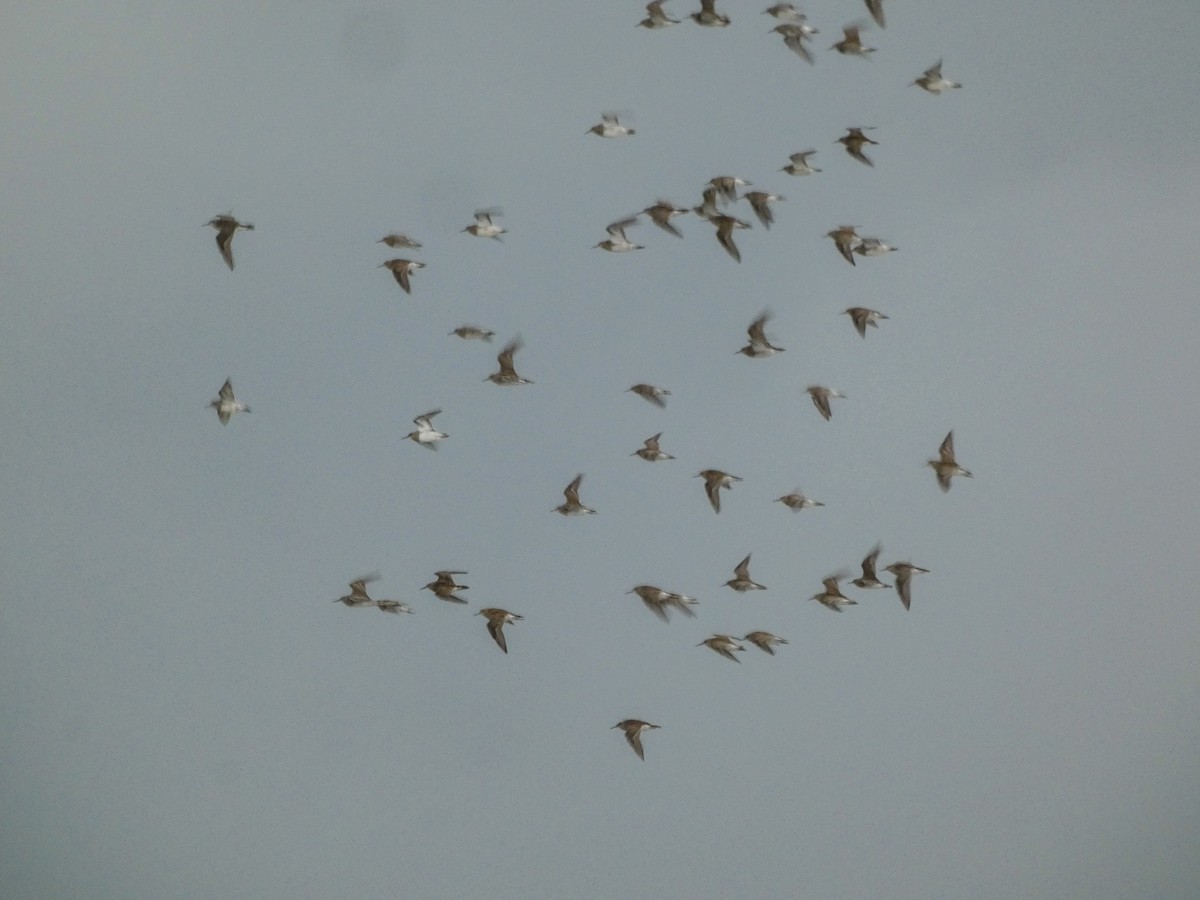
x=185 y=713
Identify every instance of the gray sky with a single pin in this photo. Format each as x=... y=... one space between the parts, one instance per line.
x=186 y=714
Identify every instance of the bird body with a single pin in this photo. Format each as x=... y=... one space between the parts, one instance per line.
x=227 y=226
x=714 y=480
x=426 y=435
x=945 y=466
x=633 y=729
x=226 y=405
x=401 y=269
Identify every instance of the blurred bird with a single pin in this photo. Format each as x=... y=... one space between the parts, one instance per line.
x=650 y=451
x=875 y=7
x=714 y=480
x=443 y=586
x=796 y=501
x=725 y=226
x=660 y=602
x=724 y=645
x=832 y=597
x=785 y=12
x=741 y=581
x=764 y=641
x=395 y=240
x=650 y=392
x=851 y=43
x=401 y=269
x=616 y=241
x=708 y=16
x=571 y=506
x=862 y=317
x=868 y=579
x=633 y=728
x=821 y=397
x=473 y=333
x=853 y=140
x=759 y=347
x=845 y=239
x=655 y=17
x=661 y=214
x=799 y=164
x=945 y=466
x=507 y=374
x=727 y=185
x=484 y=227
x=933 y=81
x=358 y=592
x=759 y=201
x=610 y=127
x=794 y=36
x=393 y=606
x=708 y=209
x=226 y=405
x=904 y=572
x=426 y=435
x=870 y=246
x=496 y=620
x=226 y=226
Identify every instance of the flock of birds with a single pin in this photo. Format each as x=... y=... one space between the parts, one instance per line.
x=717 y=196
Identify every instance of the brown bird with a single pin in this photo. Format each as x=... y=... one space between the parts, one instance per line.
x=571 y=506
x=832 y=597
x=945 y=465
x=869 y=579
x=496 y=620
x=904 y=571
x=759 y=347
x=226 y=226
x=633 y=729
x=714 y=480
x=651 y=452
x=724 y=645
x=854 y=139
x=741 y=581
x=764 y=641
x=862 y=317
x=851 y=43
x=708 y=16
x=401 y=269
x=875 y=7
x=444 y=586
x=650 y=392
x=821 y=397
x=725 y=226
x=661 y=214
x=508 y=374
x=759 y=201
x=395 y=240
x=358 y=596
x=845 y=238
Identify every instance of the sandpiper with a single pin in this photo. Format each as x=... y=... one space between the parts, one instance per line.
x=784 y=12
x=708 y=16
x=571 y=506
x=393 y=606
x=759 y=201
x=714 y=480
x=507 y=374
x=496 y=620
x=945 y=465
x=473 y=333
x=904 y=571
x=724 y=645
x=862 y=317
x=650 y=392
x=661 y=214
x=764 y=641
x=633 y=728
x=796 y=501
x=821 y=397
x=871 y=246
x=226 y=405
x=725 y=225
x=853 y=140
x=610 y=126
x=426 y=435
x=226 y=225
x=832 y=597
x=851 y=43
x=650 y=451
x=727 y=185
x=933 y=81
x=869 y=579
x=443 y=586
x=655 y=17
x=616 y=241
x=741 y=580
x=708 y=209
x=402 y=269
x=396 y=240
x=799 y=164
x=358 y=592
x=794 y=36
x=875 y=7
x=759 y=347
x=660 y=602
x=484 y=227
x=845 y=239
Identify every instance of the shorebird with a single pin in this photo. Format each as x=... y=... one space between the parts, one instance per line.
x=726 y=186
x=714 y=480
x=933 y=81
x=650 y=392
x=473 y=333
x=724 y=645
x=945 y=465
x=821 y=397
x=759 y=347
x=444 y=587
x=708 y=16
x=402 y=269
x=796 y=501
x=399 y=240
x=870 y=246
x=764 y=641
x=869 y=579
x=650 y=451
x=484 y=227
x=358 y=592
x=616 y=242
x=507 y=374
x=851 y=43
x=853 y=140
x=655 y=17
x=875 y=7
x=496 y=620
x=610 y=127
x=794 y=36
x=759 y=201
x=725 y=225
x=708 y=209
x=799 y=164
x=426 y=435
x=660 y=602
x=393 y=606
x=633 y=728
x=226 y=225
x=661 y=214
x=904 y=571
x=571 y=506
x=832 y=597
x=784 y=12
x=845 y=239
x=862 y=317
x=741 y=581
x=226 y=405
